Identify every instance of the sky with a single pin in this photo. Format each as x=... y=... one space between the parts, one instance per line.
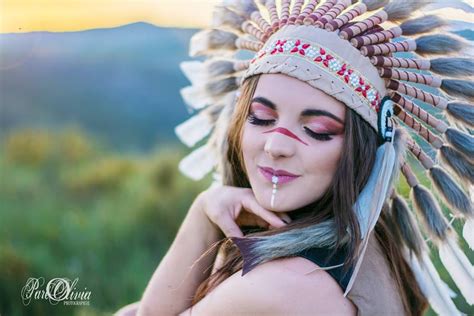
x=74 y=15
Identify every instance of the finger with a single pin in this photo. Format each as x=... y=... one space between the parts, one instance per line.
x=229 y=227
x=250 y=219
x=252 y=205
x=284 y=216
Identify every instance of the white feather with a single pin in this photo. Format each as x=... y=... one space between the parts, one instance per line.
x=198 y=163
x=196 y=96
x=194 y=71
x=199 y=42
x=459 y=267
x=468 y=232
x=370 y=201
x=194 y=129
x=435 y=290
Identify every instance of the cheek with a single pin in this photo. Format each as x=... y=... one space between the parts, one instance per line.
x=251 y=144
x=322 y=162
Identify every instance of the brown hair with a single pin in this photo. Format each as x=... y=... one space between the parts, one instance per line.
x=357 y=159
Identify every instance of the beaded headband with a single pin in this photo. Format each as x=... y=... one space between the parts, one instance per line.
x=364 y=54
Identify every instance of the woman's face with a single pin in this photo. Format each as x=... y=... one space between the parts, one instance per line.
x=294 y=132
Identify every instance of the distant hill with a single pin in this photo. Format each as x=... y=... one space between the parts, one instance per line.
x=120 y=84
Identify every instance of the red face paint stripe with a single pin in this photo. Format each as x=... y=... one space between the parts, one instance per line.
x=286 y=132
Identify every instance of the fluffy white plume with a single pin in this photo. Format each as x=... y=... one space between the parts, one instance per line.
x=198 y=163
x=468 y=232
x=196 y=96
x=194 y=71
x=194 y=129
x=459 y=267
x=436 y=290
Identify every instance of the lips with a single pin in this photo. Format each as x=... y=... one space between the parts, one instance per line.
x=279 y=172
x=283 y=176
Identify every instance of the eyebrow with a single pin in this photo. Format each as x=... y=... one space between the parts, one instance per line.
x=307 y=112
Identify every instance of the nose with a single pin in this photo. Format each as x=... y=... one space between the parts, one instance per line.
x=279 y=145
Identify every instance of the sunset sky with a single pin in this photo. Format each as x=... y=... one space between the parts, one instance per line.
x=74 y=15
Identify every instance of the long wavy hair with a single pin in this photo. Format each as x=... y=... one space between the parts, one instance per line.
x=352 y=173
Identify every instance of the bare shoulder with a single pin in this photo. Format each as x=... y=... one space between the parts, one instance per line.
x=279 y=287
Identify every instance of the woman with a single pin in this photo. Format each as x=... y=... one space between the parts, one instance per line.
x=312 y=139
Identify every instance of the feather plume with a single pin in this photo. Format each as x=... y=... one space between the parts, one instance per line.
x=223 y=16
x=459 y=88
x=256 y=250
x=220 y=67
x=432 y=216
x=463 y=167
x=439 y=44
x=422 y=24
x=242 y=7
x=371 y=199
x=196 y=96
x=402 y=9
x=375 y=4
x=194 y=71
x=461 y=112
x=206 y=41
x=198 y=163
x=220 y=86
x=194 y=129
x=407 y=226
x=459 y=267
x=461 y=141
x=451 y=192
x=468 y=232
x=453 y=66
x=435 y=290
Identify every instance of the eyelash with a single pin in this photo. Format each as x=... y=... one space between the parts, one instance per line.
x=256 y=121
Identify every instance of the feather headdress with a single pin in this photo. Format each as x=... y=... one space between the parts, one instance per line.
x=381 y=59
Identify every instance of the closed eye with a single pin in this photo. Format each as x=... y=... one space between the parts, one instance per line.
x=256 y=121
x=259 y=122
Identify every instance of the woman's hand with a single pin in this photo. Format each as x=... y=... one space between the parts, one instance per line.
x=228 y=207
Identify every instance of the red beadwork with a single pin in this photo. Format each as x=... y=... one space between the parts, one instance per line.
x=344 y=71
